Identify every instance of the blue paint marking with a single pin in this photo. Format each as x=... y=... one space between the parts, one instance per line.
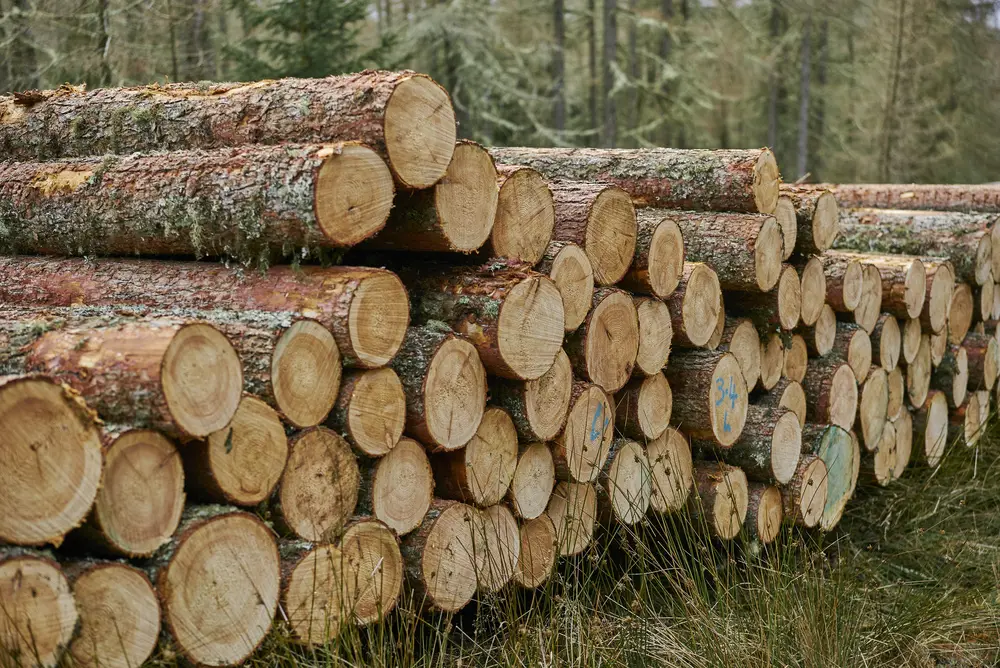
x=725 y=392
x=594 y=434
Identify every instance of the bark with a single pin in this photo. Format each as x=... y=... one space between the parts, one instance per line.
x=538 y=407
x=768 y=450
x=831 y=393
x=580 y=451
x=445 y=537
x=709 y=396
x=370 y=411
x=764 y=513
x=713 y=180
x=480 y=473
x=695 y=306
x=984 y=360
x=643 y=408
x=816 y=213
x=841 y=454
x=658 y=263
x=961 y=198
x=329 y=295
x=604 y=349
x=625 y=484
x=73 y=122
x=724 y=517
x=952 y=375
x=397 y=488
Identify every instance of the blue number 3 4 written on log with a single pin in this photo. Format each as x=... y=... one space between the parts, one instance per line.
x=726 y=393
x=595 y=432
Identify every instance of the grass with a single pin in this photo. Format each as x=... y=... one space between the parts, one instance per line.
x=909 y=578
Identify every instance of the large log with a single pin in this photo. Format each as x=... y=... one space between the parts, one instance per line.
x=804 y=497
x=940 y=286
x=373 y=570
x=769 y=449
x=743 y=249
x=964 y=238
x=370 y=412
x=455 y=215
x=52 y=460
x=533 y=481
x=764 y=513
x=779 y=308
x=813 y=287
x=713 y=180
x=498 y=548
x=843 y=280
x=569 y=268
x=314 y=592
x=721 y=499
x=659 y=255
x=319 y=488
x=821 y=336
x=960 y=313
x=739 y=337
x=831 y=393
x=119 y=614
x=695 y=306
x=241 y=463
x=818 y=217
x=710 y=396
x=952 y=375
x=366 y=309
x=784 y=213
x=398 y=488
x=573 y=511
x=930 y=428
x=643 y=408
x=786 y=394
x=840 y=452
x=853 y=345
x=525 y=217
x=514 y=316
x=604 y=349
x=873 y=408
x=537 y=556
x=670 y=465
x=40 y=616
x=218 y=581
x=655 y=336
x=984 y=360
x=445 y=387
x=538 y=407
x=582 y=448
x=625 y=484
x=985 y=197
x=406 y=116
x=480 y=473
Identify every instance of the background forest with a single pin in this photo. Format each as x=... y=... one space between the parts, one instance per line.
x=844 y=90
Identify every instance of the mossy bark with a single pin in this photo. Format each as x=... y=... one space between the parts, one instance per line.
x=982 y=198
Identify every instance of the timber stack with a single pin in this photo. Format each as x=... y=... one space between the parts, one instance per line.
x=292 y=351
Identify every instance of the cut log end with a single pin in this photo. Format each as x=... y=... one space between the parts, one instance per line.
x=402 y=487
x=671 y=471
x=141 y=498
x=611 y=340
x=525 y=217
x=583 y=447
x=784 y=213
x=626 y=483
x=534 y=478
x=441 y=557
x=420 y=132
x=766 y=180
x=806 y=496
x=896 y=388
x=772 y=360
x=744 y=344
x=764 y=513
x=767 y=254
x=912 y=332
x=813 y=288
x=371 y=411
x=119 y=617
x=354 y=193
x=373 y=570
x=611 y=235
x=904 y=442
x=793 y=397
x=839 y=451
x=220 y=588
x=573 y=511
x=52 y=454
x=880 y=464
x=573 y=275
x=498 y=548
x=665 y=261
x=644 y=407
x=789 y=298
x=890 y=342
x=859 y=354
x=960 y=313
x=727 y=401
x=40 y=616
x=843 y=398
x=786 y=446
x=824 y=332
x=481 y=472
x=915 y=288
x=537 y=556
x=873 y=407
x=825 y=221
x=305 y=373
x=796 y=358
x=851 y=285
x=701 y=304
x=531 y=327
x=655 y=335
x=935 y=313
x=724 y=496
x=314 y=596
x=918 y=373
x=454 y=394
x=930 y=428
x=546 y=400
x=202 y=379
x=870 y=305
x=377 y=320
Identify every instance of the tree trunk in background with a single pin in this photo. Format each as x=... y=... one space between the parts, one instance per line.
x=820 y=99
x=592 y=66
x=559 y=66
x=802 y=163
x=774 y=85
x=633 y=69
x=610 y=134
x=666 y=45
x=174 y=72
x=103 y=43
x=23 y=60
x=200 y=65
x=222 y=32
x=889 y=121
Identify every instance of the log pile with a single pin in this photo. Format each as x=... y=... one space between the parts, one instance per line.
x=207 y=447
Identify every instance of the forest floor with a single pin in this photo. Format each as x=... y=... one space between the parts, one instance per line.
x=910 y=578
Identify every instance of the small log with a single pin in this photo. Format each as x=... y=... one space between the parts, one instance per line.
x=573 y=511
x=831 y=392
x=568 y=267
x=904 y=442
x=784 y=213
x=904 y=280
x=245 y=203
x=314 y=592
x=670 y=466
x=582 y=448
x=780 y=308
x=818 y=217
x=538 y=407
x=813 y=288
x=533 y=481
x=366 y=309
x=720 y=326
x=963 y=238
x=319 y=488
x=853 y=345
x=659 y=255
x=601 y=220
x=910 y=347
x=398 y=488
x=655 y=336
x=985 y=414
x=940 y=286
x=963 y=422
x=930 y=428
x=498 y=548
x=841 y=455
x=768 y=451
x=604 y=349
x=40 y=616
x=952 y=375
x=373 y=570
x=440 y=557
x=370 y=412
x=939 y=347
x=886 y=342
x=843 y=280
x=873 y=408
x=710 y=396
x=722 y=498
x=695 y=306
x=878 y=465
x=119 y=614
x=643 y=408
x=740 y=338
x=821 y=337
x=960 y=313
x=786 y=394
x=703 y=180
x=445 y=387
x=772 y=360
x=805 y=495
x=867 y=312
x=513 y=316
x=918 y=373
x=743 y=249
x=480 y=473
x=764 y=513
x=983 y=302
x=910 y=196
x=983 y=361
x=625 y=484
x=52 y=460
x=796 y=358
x=218 y=581
x=896 y=384
x=525 y=217
x=537 y=556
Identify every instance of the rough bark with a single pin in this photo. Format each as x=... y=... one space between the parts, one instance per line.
x=722 y=498
x=366 y=309
x=817 y=216
x=831 y=393
x=982 y=198
x=604 y=348
x=764 y=513
x=695 y=306
x=984 y=361
x=538 y=407
x=414 y=130
x=713 y=180
x=40 y=614
x=952 y=375
x=480 y=473
x=710 y=396
x=768 y=450
x=397 y=488
x=659 y=255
